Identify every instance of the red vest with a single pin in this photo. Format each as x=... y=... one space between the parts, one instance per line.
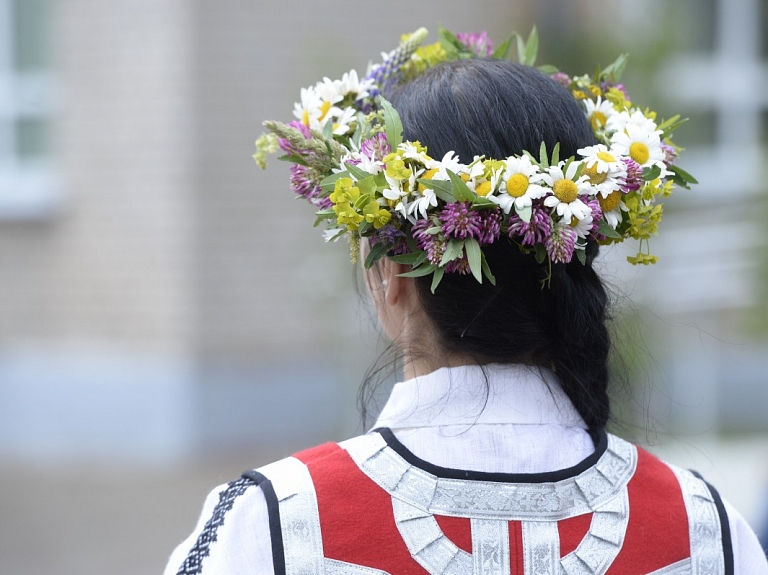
x=368 y=506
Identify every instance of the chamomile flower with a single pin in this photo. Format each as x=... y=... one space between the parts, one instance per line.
x=612 y=207
x=566 y=191
x=307 y=111
x=605 y=172
x=642 y=146
x=414 y=151
x=342 y=120
x=619 y=121
x=599 y=113
x=520 y=184
x=351 y=84
x=450 y=162
x=421 y=204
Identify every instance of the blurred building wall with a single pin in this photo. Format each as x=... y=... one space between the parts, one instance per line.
x=176 y=297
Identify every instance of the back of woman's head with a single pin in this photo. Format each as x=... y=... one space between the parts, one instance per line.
x=498 y=109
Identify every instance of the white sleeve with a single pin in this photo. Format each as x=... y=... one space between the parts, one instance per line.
x=748 y=555
x=231 y=537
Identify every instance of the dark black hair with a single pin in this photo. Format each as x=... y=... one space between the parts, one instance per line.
x=497 y=109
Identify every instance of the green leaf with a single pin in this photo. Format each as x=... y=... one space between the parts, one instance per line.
x=487 y=272
x=356 y=172
x=683 y=174
x=502 y=50
x=460 y=191
x=439 y=272
x=392 y=124
x=324 y=215
x=543 y=158
x=293 y=158
x=671 y=128
x=520 y=48
x=414 y=259
x=475 y=258
x=582 y=255
x=531 y=47
x=367 y=186
x=606 y=230
x=443 y=189
x=541 y=253
x=650 y=174
x=616 y=68
x=525 y=213
x=481 y=202
x=556 y=155
x=329 y=183
x=377 y=252
x=449 y=38
x=328 y=130
x=548 y=69
x=419 y=272
x=453 y=250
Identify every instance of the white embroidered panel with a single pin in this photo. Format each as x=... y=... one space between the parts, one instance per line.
x=333 y=567
x=541 y=546
x=680 y=568
x=299 y=516
x=703 y=525
x=490 y=546
x=495 y=500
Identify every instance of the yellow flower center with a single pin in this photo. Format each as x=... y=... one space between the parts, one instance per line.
x=595 y=178
x=428 y=175
x=324 y=108
x=611 y=202
x=606 y=157
x=639 y=152
x=565 y=190
x=517 y=185
x=305 y=118
x=598 y=119
x=464 y=177
x=483 y=188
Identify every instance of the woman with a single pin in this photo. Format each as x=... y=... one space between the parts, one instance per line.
x=492 y=455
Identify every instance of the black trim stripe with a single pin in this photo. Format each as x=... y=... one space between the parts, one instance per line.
x=193 y=564
x=273 y=507
x=725 y=526
x=600 y=437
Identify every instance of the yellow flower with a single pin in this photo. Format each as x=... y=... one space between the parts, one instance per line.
x=345 y=191
x=396 y=168
x=346 y=215
x=376 y=215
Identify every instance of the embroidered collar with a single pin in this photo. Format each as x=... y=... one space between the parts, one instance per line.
x=514 y=394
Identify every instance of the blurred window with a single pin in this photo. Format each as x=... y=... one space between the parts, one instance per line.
x=28 y=183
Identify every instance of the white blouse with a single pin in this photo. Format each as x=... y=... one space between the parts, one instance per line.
x=499 y=418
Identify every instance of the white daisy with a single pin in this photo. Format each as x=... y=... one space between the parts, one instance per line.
x=606 y=172
x=565 y=192
x=619 y=121
x=583 y=227
x=341 y=120
x=307 y=111
x=519 y=184
x=642 y=146
x=412 y=152
x=421 y=204
x=450 y=162
x=351 y=84
x=599 y=113
x=612 y=207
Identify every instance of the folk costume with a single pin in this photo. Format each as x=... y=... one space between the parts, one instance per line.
x=452 y=482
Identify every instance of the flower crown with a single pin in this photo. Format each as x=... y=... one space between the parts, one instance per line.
x=349 y=160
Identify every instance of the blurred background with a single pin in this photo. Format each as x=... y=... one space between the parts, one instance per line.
x=168 y=317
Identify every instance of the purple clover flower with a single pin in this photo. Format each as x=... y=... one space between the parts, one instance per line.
x=597 y=215
x=634 y=178
x=490 y=226
x=304 y=182
x=376 y=148
x=391 y=236
x=459 y=221
x=460 y=266
x=477 y=42
x=670 y=154
x=535 y=232
x=562 y=78
x=286 y=146
x=430 y=243
x=561 y=243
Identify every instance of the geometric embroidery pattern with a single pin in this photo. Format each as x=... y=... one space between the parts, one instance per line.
x=193 y=564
